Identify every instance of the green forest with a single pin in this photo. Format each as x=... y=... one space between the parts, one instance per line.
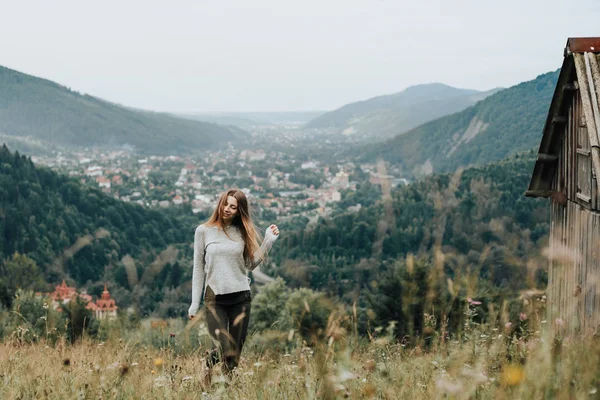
x=474 y=228
x=43 y=110
x=467 y=234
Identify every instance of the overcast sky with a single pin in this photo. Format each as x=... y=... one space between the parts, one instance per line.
x=271 y=55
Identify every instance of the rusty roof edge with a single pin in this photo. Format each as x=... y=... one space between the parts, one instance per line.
x=582 y=45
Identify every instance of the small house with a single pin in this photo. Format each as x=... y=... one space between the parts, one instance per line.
x=567 y=171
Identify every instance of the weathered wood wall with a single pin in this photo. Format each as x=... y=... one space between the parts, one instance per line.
x=574 y=275
x=574 y=175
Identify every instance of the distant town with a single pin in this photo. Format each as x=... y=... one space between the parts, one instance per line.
x=279 y=183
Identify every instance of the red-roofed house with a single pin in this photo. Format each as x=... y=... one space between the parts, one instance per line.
x=117 y=180
x=177 y=200
x=63 y=293
x=104 y=307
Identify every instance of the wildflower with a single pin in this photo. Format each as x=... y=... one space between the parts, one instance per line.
x=172 y=335
x=473 y=302
x=447 y=386
x=338 y=387
x=346 y=375
x=476 y=377
x=508 y=325
x=161 y=381
x=114 y=365
x=522 y=316
x=158 y=362
x=512 y=375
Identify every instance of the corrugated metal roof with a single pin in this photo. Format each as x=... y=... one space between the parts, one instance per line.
x=581 y=60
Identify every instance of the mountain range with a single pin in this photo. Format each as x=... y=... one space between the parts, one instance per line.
x=502 y=124
x=37 y=109
x=390 y=115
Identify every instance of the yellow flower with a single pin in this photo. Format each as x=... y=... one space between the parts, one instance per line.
x=512 y=375
x=158 y=362
x=153 y=371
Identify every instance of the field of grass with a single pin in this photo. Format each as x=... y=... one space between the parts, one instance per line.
x=484 y=362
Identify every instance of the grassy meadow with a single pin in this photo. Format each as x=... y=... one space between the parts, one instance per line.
x=519 y=359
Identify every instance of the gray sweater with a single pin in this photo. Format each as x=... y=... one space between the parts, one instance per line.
x=219 y=261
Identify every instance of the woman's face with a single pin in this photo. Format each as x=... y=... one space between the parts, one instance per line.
x=230 y=209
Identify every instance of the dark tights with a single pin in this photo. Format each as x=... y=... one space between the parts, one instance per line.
x=227 y=317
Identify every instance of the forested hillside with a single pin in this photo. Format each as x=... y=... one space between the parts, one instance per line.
x=68 y=231
x=390 y=115
x=46 y=111
x=474 y=228
x=505 y=123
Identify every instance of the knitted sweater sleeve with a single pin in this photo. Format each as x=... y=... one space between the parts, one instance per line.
x=198 y=274
x=260 y=255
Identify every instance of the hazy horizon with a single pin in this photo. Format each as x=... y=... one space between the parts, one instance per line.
x=265 y=56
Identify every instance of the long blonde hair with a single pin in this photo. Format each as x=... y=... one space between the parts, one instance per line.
x=243 y=220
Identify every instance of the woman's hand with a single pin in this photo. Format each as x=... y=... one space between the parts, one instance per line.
x=274 y=229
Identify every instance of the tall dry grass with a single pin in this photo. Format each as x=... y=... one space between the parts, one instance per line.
x=519 y=360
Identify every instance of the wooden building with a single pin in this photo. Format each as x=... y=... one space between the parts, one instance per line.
x=567 y=171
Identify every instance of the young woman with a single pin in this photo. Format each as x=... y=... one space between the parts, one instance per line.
x=225 y=249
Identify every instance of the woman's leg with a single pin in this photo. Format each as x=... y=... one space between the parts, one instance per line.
x=239 y=317
x=217 y=321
